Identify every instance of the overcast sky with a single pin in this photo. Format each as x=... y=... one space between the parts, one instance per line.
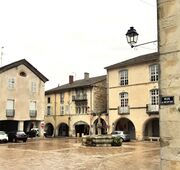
x=64 y=37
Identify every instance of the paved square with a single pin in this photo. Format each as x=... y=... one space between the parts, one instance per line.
x=69 y=154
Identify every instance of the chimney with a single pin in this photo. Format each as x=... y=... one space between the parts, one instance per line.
x=86 y=75
x=71 y=79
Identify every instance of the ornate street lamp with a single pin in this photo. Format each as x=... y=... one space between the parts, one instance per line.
x=132 y=37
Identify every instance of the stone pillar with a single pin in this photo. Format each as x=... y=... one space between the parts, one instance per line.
x=21 y=125
x=169 y=48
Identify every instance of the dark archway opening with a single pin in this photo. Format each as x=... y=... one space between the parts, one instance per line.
x=81 y=128
x=125 y=124
x=63 y=130
x=103 y=126
x=152 y=128
x=49 y=130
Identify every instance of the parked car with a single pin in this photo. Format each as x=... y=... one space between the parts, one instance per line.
x=3 y=137
x=125 y=136
x=17 y=136
x=34 y=132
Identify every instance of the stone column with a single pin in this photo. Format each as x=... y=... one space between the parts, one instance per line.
x=21 y=125
x=169 y=48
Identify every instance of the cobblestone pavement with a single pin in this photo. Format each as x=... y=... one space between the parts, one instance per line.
x=69 y=154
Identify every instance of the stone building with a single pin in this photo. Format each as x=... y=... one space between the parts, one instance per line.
x=133 y=96
x=22 y=96
x=169 y=49
x=72 y=109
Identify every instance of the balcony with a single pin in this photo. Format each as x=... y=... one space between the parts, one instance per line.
x=152 y=109
x=123 y=110
x=10 y=112
x=32 y=113
x=79 y=97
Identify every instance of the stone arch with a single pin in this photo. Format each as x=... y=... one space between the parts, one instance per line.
x=127 y=125
x=81 y=128
x=63 y=129
x=49 y=130
x=103 y=126
x=151 y=127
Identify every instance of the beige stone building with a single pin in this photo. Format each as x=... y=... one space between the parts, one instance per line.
x=22 y=96
x=133 y=96
x=71 y=109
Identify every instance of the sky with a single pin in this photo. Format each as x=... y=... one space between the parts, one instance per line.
x=70 y=37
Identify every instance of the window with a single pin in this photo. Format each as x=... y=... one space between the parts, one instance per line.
x=81 y=108
x=32 y=109
x=124 y=99
x=33 y=87
x=22 y=74
x=81 y=94
x=154 y=96
x=61 y=110
x=11 y=83
x=48 y=110
x=32 y=105
x=154 y=72
x=123 y=77
x=48 y=100
x=10 y=104
x=61 y=98
x=10 y=108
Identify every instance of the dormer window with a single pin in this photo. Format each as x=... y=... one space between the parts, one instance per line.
x=22 y=74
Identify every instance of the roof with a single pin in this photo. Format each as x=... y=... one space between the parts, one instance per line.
x=77 y=84
x=137 y=60
x=27 y=64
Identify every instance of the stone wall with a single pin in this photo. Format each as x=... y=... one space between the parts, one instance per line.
x=169 y=48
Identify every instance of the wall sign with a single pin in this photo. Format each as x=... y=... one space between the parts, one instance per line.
x=166 y=100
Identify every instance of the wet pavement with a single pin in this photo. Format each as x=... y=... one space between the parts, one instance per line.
x=69 y=154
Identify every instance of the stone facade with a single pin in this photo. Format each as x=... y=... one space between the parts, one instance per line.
x=22 y=96
x=130 y=105
x=71 y=109
x=169 y=48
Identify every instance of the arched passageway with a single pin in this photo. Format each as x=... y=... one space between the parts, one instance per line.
x=63 y=130
x=49 y=130
x=151 y=128
x=81 y=128
x=125 y=124
x=103 y=126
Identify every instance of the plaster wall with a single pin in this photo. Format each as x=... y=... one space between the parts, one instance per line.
x=21 y=93
x=138 y=90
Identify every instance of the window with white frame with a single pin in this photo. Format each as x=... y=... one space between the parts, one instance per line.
x=154 y=96
x=11 y=83
x=61 y=110
x=33 y=87
x=10 y=104
x=32 y=105
x=61 y=98
x=124 y=99
x=154 y=72
x=32 y=109
x=123 y=77
x=10 y=108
